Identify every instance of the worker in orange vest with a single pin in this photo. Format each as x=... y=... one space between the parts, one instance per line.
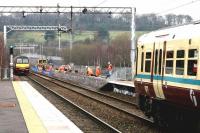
x=89 y=71
x=98 y=71
x=109 y=69
x=61 y=68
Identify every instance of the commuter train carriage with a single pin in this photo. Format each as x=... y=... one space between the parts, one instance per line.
x=21 y=65
x=167 y=75
x=42 y=63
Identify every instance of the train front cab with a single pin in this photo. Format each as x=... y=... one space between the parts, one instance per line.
x=168 y=80
x=21 y=66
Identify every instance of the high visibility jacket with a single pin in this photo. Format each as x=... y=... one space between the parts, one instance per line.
x=89 y=71
x=61 y=68
x=98 y=71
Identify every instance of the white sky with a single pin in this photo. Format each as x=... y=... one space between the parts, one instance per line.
x=142 y=6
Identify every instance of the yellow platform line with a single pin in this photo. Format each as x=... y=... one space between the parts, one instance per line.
x=33 y=122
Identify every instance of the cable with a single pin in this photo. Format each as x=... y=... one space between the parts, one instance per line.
x=185 y=4
x=100 y=3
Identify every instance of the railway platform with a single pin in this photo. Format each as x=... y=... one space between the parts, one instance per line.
x=124 y=87
x=23 y=110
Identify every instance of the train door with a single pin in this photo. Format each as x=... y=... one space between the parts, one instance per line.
x=157 y=73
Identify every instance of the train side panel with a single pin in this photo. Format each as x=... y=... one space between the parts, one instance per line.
x=168 y=74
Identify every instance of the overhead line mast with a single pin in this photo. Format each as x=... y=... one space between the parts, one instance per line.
x=64 y=9
x=74 y=10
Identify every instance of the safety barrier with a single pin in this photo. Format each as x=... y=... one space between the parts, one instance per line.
x=118 y=73
x=95 y=82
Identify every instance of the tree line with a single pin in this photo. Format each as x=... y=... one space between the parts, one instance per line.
x=92 y=22
x=118 y=52
x=101 y=49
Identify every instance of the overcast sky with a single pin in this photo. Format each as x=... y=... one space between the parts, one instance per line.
x=142 y=6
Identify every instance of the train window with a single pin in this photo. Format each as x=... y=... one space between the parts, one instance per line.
x=147 y=65
x=148 y=55
x=148 y=62
x=180 y=54
x=192 y=53
x=40 y=61
x=169 y=67
x=160 y=60
x=192 y=62
x=19 y=60
x=180 y=67
x=44 y=61
x=25 y=61
x=169 y=62
x=142 y=61
x=156 y=57
x=192 y=67
x=170 y=54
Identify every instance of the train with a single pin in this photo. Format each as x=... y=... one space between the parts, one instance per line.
x=21 y=65
x=167 y=75
x=41 y=64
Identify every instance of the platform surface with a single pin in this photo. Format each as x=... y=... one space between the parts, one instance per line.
x=11 y=118
x=40 y=115
x=124 y=83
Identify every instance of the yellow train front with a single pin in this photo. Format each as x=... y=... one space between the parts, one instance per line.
x=21 y=65
x=42 y=63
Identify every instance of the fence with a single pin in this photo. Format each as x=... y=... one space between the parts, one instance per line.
x=118 y=73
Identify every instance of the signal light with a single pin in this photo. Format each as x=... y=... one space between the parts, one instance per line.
x=11 y=50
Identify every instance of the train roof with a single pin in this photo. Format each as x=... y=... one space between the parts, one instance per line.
x=187 y=31
x=20 y=57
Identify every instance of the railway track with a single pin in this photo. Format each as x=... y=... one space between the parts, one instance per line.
x=124 y=107
x=113 y=102
x=87 y=121
x=94 y=92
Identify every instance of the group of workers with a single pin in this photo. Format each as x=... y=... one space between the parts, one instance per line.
x=98 y=72
x=68 y=68
x=65 y=68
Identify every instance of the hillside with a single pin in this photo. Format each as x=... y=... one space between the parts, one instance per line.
x=38 y=37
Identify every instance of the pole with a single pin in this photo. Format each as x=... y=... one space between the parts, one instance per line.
x=133 y=44
x=71 y=37
x=5 y=35
x=4 y=53
x=11 y=62
x=59 y=38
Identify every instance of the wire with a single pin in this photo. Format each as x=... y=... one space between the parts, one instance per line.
x=100 y=3
x=174 y=8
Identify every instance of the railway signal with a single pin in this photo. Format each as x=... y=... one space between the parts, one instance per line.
x=11 y=61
